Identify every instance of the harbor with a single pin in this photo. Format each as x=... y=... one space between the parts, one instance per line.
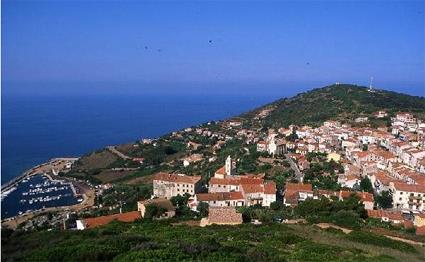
x=38 y=192
x=41 y=189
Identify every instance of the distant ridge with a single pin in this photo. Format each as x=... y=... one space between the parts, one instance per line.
x=339 y=102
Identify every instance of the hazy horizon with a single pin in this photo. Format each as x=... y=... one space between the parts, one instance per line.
x=275 y=90
x=252 y=48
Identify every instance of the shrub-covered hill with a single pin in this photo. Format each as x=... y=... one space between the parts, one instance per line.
x=340 y=102
x=162 y=241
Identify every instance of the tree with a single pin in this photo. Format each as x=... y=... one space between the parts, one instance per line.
x=366 y=185
x=346 y=218
x=276 y=205
x=292 y=137
x=154 y=211
x=203 y=209
x=384 y=200
x=180 y=201
x=280 y=181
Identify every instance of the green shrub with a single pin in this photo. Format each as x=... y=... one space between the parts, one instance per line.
x=377 y=240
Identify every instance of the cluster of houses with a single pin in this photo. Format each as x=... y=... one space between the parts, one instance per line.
x=225 y=189
x=299 y=192
x=392 y=158
x=393 y=161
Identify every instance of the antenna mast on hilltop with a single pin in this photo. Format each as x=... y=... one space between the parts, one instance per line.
x=370 y=84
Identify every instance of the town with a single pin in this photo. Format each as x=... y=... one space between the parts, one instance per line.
x=357 y=177
x=383 y=167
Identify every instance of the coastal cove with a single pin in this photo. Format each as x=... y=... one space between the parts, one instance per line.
x=43 y=127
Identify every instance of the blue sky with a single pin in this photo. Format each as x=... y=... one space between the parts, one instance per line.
x=210 y=47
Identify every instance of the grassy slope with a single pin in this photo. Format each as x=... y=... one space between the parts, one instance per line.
x=340 y=102
x=160 y=241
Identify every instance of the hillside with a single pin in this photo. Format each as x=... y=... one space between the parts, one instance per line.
x=147 y=240
x=339 y=102
x=162 y=241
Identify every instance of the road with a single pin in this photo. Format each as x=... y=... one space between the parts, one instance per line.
x=118 y=153
x=298 y=174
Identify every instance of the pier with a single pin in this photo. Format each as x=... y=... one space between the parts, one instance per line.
x=54 y=165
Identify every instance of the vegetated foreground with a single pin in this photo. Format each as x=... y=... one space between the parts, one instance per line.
x=162 y=241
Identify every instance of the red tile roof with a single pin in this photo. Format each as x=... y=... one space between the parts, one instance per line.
x=420 y=231
x=221 y=171
x=252 y=188
x=236 y=180
x=364 y=196
x=408 y=224
x=361 y=154
x=103 y=220
x=177 y=178
x=223 y=181
x=298 y=187
x=393 y=216
x=327 y=193
x=221 y=196
x=384 y=178
x=270 y=188
x=292 y=190
x=400 y=186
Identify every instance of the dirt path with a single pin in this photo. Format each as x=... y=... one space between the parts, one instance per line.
x=347 y=231
x=118 y=153
x=408 y=241
x=328 y=225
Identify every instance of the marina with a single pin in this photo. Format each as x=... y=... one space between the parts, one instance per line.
x=37 y=192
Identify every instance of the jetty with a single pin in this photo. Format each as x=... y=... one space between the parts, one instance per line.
x=54 y=166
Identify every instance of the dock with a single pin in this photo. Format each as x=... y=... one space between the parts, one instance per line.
x=54 y=165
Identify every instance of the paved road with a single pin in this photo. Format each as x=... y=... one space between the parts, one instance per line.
x=294 y=167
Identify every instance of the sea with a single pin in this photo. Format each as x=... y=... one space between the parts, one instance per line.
x=38 y=128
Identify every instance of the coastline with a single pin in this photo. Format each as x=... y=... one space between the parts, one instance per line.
x=40 y=168
x=50 y=169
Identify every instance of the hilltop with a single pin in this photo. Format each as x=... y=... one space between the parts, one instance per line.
x=338 y=102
